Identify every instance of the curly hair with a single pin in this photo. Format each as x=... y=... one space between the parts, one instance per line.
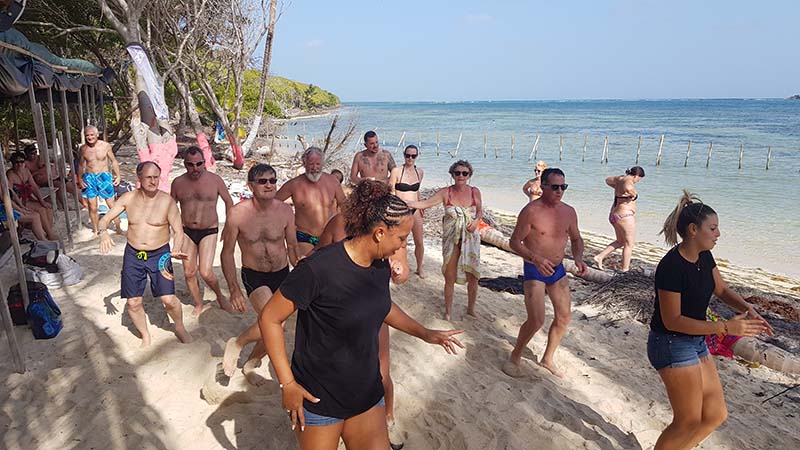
x=689 y=210
x=460 y=162
x=371 y=203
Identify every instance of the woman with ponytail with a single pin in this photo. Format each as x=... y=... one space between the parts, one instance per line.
x=622 y=216
x=332 y=389
x=685 y=279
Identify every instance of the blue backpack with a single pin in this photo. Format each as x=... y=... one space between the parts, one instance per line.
x=44 y=316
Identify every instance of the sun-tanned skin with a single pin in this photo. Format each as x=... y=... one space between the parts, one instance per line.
x=316 y=197
x=372 y=163
x=540 y=236
x=18 y=174
x=151 y=215
x=95 y=157
x=197 y=192
x=264 y=229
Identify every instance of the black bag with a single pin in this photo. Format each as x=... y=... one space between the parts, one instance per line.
x=44 y=315
x=15 y=304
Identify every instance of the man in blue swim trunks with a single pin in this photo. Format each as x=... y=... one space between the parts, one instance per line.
x=94 y=177
x=540 y=237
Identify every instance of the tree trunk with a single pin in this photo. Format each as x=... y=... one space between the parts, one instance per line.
x=251 y=137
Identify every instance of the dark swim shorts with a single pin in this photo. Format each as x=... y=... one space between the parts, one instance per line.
x=138 y=264
x=305 y=237
x=532 y=273
x=254 y=279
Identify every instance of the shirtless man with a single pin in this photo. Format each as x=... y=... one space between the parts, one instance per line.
x=151 y=214
x=93 y=176
x=540 y=236
x=263 y=226
x=37 y=167
x=316 y=197
x=197 y=192
x=372 y=163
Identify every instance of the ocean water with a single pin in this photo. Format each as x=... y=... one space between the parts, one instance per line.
x=758 y=208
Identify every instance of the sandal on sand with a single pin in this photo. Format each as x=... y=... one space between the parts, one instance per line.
x=514 y=370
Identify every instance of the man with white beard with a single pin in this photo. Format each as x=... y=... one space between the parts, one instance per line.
x=316 y=196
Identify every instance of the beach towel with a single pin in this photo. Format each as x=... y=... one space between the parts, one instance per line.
x=719 y=345
x=454 y=232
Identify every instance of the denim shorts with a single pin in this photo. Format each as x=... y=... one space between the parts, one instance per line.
x=675 y=350
x=315 y=420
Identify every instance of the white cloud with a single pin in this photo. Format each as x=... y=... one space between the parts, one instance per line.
x=477 y=18
x=314 y=43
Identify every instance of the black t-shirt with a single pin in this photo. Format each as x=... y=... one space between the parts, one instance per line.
x=693 y=280
x=341 y=307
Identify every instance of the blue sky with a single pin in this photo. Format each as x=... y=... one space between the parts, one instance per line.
x=438 y=50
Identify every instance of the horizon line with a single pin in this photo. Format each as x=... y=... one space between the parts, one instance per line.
x=570 y=100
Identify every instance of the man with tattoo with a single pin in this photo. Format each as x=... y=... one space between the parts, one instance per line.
x=373 y=163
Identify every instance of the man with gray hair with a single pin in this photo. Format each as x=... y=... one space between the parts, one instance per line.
x=94 y=177
x=316 y=196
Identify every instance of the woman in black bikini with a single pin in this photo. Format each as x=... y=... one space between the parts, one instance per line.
x=332 y=389
x=407 y=188
x=621 y=217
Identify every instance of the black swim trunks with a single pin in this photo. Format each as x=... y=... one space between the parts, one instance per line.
x=254 y=279
x=197 y=235
x=305 y=237
x=138 y=264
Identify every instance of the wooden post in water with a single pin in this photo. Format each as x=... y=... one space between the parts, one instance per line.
x=638 y=149
x=604 y=156
x=741 y=155
x=560 y=147
x=585 y=139
x=437 y=142
x=23 y=285
x=660 y=146
x=769 y=156
x=533 y=150
x=419 y=143
x=496 y=155
x=459 y=143
x=688 y=151
x=710 y=149
x=512 y=146
x=484 y=145
x=402 y=139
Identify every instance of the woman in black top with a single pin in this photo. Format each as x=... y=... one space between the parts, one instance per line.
x=685 y=279
x=333 y=386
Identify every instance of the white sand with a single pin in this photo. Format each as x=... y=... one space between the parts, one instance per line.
x=93 y=388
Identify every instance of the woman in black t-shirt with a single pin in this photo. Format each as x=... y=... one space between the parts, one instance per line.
x=685 y=279
x=333 y=386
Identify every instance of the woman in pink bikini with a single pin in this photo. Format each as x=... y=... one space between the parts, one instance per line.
x=622 y=215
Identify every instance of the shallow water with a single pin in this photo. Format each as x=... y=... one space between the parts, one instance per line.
x=758 y=208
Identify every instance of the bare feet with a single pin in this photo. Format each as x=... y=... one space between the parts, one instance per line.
x=231 y=356
x=447 y=316
x=183 y=335
x=249 y=371
x=514 y=370
x=598 y=262
x=225 y=304
x=420 y=274
x=198 y=309
x=549 y=365
x=145 y=340
x=471 y=313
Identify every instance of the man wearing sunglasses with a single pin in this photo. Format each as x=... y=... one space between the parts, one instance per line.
x=94 y=177
x=151 y=214
x=263 y=226
x=540 y=236
x=316 y=197
x=197 y=192
x=373 y=162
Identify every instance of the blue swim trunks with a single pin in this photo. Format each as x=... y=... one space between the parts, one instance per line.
x=98 y=185
x=532 y=273
x=3 y=217
x=137 y=265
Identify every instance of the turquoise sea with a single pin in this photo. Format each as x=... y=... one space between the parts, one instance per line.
x=758 y=208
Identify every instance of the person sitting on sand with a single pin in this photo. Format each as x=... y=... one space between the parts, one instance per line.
x=372 y=163
x=332 y=389
x=263 y=226
x=21 y=182
x=461 y=241
x=316 y=197
x=621 y=217
x=94 y=177
x=196 y=192
x=685 y=279
x=540 y=237
x=151 y=214
x=38 y=168
x=407 y=188
x=24 y=216
x=533 y=187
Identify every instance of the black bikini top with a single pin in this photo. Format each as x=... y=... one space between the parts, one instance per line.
x=405 y=187
x=625 y=197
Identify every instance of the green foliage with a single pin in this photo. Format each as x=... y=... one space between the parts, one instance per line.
x=294 y=94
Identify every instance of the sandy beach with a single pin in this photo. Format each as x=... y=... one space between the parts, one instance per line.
x=93 y=387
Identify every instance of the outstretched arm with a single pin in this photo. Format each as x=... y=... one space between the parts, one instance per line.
x=433 y=200
x=735 y=301
x=397 y=318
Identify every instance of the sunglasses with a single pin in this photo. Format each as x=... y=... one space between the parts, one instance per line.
x=272 y=180
x=458 y=173
x=408 y=155
x=191 y=164
x=556 y=187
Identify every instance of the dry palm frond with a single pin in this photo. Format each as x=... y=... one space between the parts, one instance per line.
x=628 y=295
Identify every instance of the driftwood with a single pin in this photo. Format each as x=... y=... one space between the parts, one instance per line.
x=630 y=294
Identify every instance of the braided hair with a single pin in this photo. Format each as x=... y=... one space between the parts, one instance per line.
x=690 y=210
x=371 y=203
